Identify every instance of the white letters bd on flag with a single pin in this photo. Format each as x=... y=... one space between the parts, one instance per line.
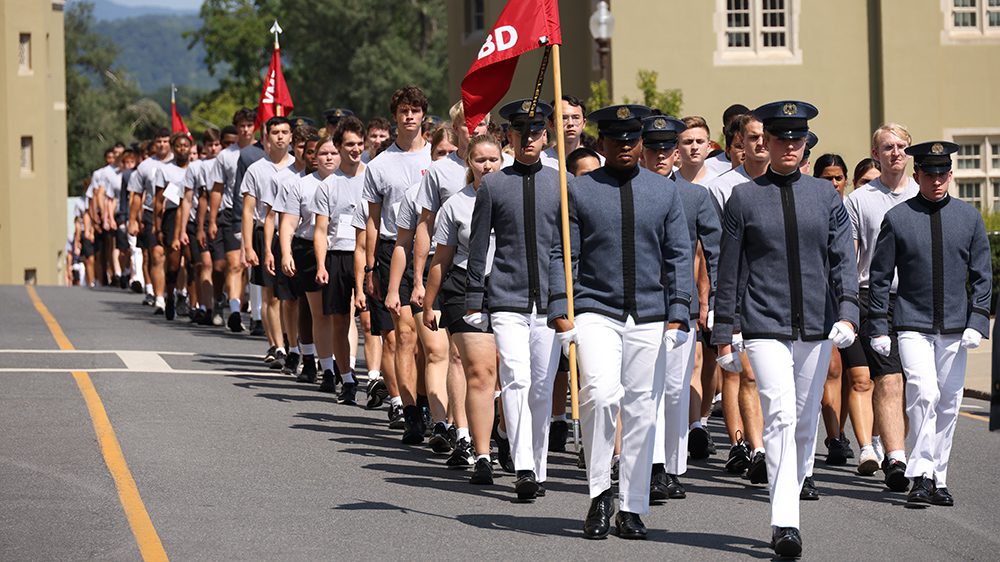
x=523 y=25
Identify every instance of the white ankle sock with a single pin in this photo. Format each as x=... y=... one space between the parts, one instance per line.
x=326 y=364
x=374 y=374
x=308 y=349
x=234 y=305
x=898 y=455
x=463 y=433
x=396 y=401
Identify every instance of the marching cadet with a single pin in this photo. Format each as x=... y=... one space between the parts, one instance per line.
x=629 y=237
x=786 y=222
x=937 y=246
x=520 y=204
x=659 y=136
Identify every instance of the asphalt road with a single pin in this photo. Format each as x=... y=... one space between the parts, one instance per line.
x=233 y=462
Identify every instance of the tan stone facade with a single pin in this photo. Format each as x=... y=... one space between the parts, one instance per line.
x=931 y=65
x=32 y=141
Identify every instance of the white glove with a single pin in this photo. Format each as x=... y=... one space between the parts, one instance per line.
x=710 y=321
x=730 y=363
x=566 y=337
x=882 y=345
x=738 y=346
x=674 y=338
x=841 y=335
x=477 y=320
x=971 y=339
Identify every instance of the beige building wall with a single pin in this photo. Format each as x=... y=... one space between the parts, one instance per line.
x=32 y=106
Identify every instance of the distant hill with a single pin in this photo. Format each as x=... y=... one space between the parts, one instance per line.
x=109 y=10
x=153 y=50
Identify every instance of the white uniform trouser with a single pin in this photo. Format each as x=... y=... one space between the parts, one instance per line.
x=790 y=377
x=934 y=365
x=622 y=367
x=529 y=355
x=672 y=415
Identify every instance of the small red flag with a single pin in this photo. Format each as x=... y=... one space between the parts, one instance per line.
x=523 y=25
x=275 y=99
x=176 y=123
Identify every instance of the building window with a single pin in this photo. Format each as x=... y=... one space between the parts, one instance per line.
x=968 y=191
x=474 y=17
x=24 y=54
x=971 y=20
x=996 y=195
x=27 y=155
x=757 y=32
x=977 y=168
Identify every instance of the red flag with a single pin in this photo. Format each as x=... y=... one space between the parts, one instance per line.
x=275 y=99
x=176 y=123
x=523 y=25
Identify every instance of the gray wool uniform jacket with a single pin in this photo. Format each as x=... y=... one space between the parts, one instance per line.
x=937 y=249
x=703 y=226
x=520 y=204
x=789 y=237
x=629 y=238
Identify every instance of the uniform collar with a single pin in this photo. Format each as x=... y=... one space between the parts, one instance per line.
x=622 y=176
x=932 y=205
x=782 y=180
x=524 y=169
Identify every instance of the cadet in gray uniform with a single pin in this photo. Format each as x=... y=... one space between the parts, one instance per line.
x=786 y=222
x=629 y=237
x=935 y=246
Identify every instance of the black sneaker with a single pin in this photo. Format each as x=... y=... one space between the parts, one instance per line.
x=921 y=493
x=526 y=485
x=377 y=393
x=895 y=475
x=558 y=433
x=482 y=473
x=848 y=451
x=291 y=366
x=309 y=370
x=835 y=452
x=739 y=458
x=503 y=454
x=150 y=300
x=195 y=315
x=182 y=307
x=396 y=417
x=170 y=308
x=413 y=426
x=347 y=392
x=615 y=469
x=439 y=439
x=122 y=282
x=329 y=383
x=461 y=456
x=808 y=491
x=452 y=436
x=425 y=416
x=206 y=318
x=279 y=360
x=256 y=328
x=136 y=287
x=235 y=323
x=757 y=471
x=269 y=356
x=698 y=439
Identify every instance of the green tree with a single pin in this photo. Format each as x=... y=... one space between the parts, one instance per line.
x=668 y=101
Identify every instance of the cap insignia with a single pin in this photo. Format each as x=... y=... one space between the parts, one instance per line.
x=660 y=123
x=936 y=148
x=624 y=113
x=789 y=109
x=526 y=106
x=338 y=113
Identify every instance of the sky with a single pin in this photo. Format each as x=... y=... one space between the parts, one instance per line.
x=179 y=4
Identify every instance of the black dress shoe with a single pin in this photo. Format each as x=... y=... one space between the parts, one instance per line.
x=809 y=491
x=942 y=497
x=629 y=526
x=920 y=493
x=787 y=542
x=540 y=493
x=675 y=490
x=836 y=454
x=698 y=443
x=558 y=432
x=503 y=454
x=757 y=471
x=659 y=485
x=526 y=485
x=598 y=521
x=895 y=475
x=482 y=473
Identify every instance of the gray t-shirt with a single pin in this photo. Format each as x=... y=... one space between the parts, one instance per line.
x=339 y=197
x=223 y=171
x=257 y=182
x=142 y=180
x=721 y=187
x=867 y=206
x=387 y=178
x=443 y=179
x=297 y=201
x=170 y=178
x=193 y=182
x=453 y=226
x=716 y=166
x=281 y=183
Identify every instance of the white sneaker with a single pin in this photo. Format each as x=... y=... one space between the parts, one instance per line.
x=868 y=462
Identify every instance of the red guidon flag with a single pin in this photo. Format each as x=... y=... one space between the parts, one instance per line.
x=275 y=100
x=523 y=25
x=176 y=123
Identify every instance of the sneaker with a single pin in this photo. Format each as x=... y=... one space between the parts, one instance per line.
x=217 y=317
x=256 y=328
x=526 y=485
x=123 y=282
x=183 y=308
x=461 y=456
x=452 y=436
x=347 y=392
x=558 y=432
x=396 y=417
x=377 y=393
x=150 y=300
x=279 y=360
x=439 y=439
x=895 y=475
x=757 y=471
x=309 y=370
x=835 y=454
x=425 y=414
x=739 y=458
x=848 y=451
x=503 y=454
x=329 y=383
x=269 y=356
x=482 y=473
x=136 y=287
x=868 y=463
x=879 y=450
x=235 y=323
x=698 y=439
x=413 y=426
x=291 y=366
x=169 y=308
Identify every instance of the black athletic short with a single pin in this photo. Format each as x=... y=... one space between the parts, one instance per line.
x=196 y=248
x=339 y=290
x=147 y=238
x=452 y=299
x=167 y=225
x=87 y=248
x=878 y=364
x=258 y=273
x=304 y=281
x=380 y=318
x=121 y=235
x=230 y=233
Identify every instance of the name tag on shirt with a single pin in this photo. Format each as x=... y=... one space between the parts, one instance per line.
x=345 y=230
x=173 y=193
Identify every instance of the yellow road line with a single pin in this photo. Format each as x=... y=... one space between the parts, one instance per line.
x=975 y=416
x=128 y=493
